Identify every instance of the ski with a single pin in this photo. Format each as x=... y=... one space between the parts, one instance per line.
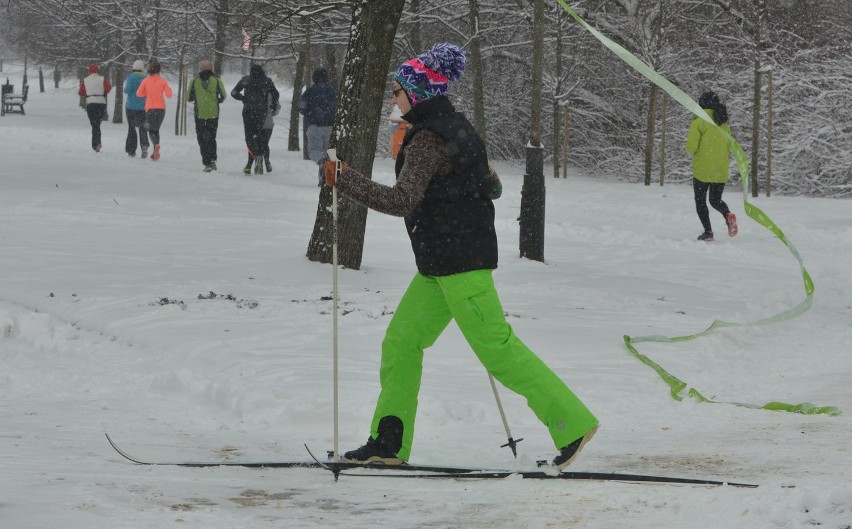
x=200 y=464
x=436 y=472
x=313 y=463
x=340 y=468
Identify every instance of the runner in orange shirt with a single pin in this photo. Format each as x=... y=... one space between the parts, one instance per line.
x=155 y=90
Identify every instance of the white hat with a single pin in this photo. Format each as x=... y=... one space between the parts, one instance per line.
x=138 y=66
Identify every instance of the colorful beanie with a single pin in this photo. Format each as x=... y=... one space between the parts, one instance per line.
x=428 y=75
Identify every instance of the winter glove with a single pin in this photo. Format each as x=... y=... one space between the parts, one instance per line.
x=330 y=169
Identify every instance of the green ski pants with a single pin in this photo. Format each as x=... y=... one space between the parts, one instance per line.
x=426 y=308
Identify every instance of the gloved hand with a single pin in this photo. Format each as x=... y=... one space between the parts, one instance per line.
x=329 y=168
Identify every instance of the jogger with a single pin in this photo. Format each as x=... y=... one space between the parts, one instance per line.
x=207 y=92
x=135 y=108
x=155 y=90
x=95 y=88
x=710 y=152
x=255 y=90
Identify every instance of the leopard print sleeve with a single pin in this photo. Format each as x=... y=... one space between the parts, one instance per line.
x=425 y=156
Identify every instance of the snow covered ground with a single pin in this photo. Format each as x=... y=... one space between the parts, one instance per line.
x=114 y=282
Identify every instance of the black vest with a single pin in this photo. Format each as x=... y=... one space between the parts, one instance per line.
x=452 y=228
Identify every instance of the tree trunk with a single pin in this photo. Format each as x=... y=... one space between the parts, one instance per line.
x=298 y=84
x=565 y=138
x=531 y=242
x=475 y=56
x=759 y=16
x=649 y=135
x=118 y=88
x=40 y=80
x=359 y=109
x=557 y=118
x=537 y=63
x=306 y=76
x=221 y=36
x=663 y=140
x=768 y=132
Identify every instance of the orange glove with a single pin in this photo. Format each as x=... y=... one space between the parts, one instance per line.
x=329 y=168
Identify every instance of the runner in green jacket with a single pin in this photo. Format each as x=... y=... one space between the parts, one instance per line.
x=207 y=91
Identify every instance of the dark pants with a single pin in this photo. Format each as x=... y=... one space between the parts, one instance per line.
x=700 y=188
x=253 y=125
x=153 y=120
x=263 y=138
x=95 y=112
x=135 y=123
x=205 y=132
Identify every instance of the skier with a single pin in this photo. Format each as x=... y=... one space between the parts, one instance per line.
x=155 y=90
x=710 y=163
x=95 y=88
x=442 y=190
x=254 y=90
x=135 y=108
x=208 y=92
x=318 y=104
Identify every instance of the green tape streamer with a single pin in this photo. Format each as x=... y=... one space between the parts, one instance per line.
x=677 y=386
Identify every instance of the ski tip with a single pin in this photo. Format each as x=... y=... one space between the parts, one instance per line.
x=121 y=452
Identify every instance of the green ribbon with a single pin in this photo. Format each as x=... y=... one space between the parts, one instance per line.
x=676 y=385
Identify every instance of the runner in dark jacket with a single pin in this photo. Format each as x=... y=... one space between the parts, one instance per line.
x=253 y=90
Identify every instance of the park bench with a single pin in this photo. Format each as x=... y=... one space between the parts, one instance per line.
x=13 y=103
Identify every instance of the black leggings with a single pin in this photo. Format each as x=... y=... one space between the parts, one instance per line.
x=700 y=188
x=153 y=120
x=95 y=112
x=262 y=143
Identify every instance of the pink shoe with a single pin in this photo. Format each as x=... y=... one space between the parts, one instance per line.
x=731 y=219
x=156 y=155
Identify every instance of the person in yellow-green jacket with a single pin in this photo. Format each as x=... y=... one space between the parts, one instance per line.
x=208 y=92
x=711 y=164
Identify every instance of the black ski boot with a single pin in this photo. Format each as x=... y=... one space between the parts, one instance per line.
x=569 y=452
x=382 y=450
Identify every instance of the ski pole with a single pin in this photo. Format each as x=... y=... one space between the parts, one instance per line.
x=332 y=155
x=512 y=443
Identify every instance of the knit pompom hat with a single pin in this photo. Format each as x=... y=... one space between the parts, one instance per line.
x=428 y=75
